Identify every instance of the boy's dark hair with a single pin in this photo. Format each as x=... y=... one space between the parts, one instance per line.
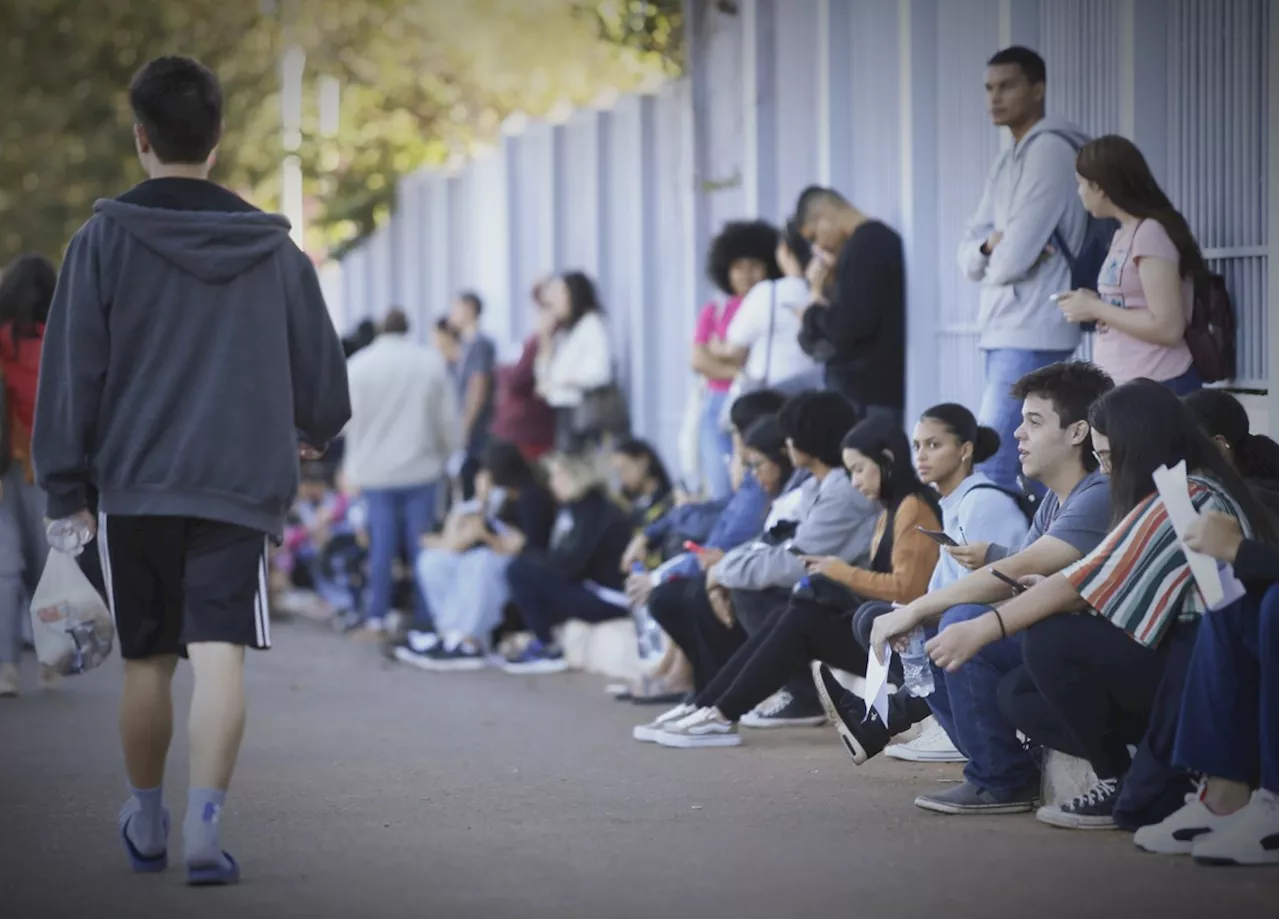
x=753 y=239
x=178 y=102
x=472 y=299
x=395 y=322
x=1073 y=387
x=747 y=410
x=812 y=196
x=1027 y=60
x=817 y=422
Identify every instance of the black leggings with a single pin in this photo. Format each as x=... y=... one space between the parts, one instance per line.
x=684 y=612
x=1086 y=688
x=792 y=636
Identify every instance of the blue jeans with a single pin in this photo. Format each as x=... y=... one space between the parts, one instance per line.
x=546 y=598
x=398 y=519
x=1001 y=411
x=1227 y=726
x=465 y=591
x=965 y=704
x=714 y=447
x=1186 y=384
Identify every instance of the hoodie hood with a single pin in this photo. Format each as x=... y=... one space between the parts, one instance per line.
x=1060 y=126
x=213 y=246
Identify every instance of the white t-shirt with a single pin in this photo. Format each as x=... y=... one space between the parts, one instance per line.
x=750 y=329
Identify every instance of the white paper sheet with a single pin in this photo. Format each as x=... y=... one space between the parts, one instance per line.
x=875 y=689
x=1176 y=495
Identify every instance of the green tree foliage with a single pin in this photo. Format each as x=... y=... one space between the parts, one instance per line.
x=421 y=82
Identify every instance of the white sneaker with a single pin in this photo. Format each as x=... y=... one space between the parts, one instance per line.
x=1249 y=836
x=931 y=746
x=1178 y=833
x=8 y=681
x=704 y=728
x=648 y=733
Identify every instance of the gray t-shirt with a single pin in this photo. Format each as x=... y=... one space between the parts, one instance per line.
x=478 y=357
x=1081 y=521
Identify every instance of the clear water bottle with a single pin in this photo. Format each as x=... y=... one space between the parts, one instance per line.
x=70 y=534
x=917 y=671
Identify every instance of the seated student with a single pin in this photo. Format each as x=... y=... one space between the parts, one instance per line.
x=643 y=480
x=579 y=576
x=1255 y=456
x=1228 y=720
x=1054 y=448
x=833 y=519
x=462 y=572
x=948 y=444
x=765 y=458
x=1092 y=681
x=320 y=539
x=733 y=521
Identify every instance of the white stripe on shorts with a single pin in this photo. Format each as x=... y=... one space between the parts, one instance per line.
x=261 y=600
x=104 y=558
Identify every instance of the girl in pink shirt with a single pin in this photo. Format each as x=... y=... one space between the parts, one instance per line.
x=1146 y=287
x=740 y=257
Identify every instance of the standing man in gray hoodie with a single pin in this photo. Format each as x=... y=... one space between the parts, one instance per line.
x=1009 y=245
x=188 y=360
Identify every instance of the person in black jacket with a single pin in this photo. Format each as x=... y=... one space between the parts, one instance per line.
x=856 y=323
x=580 y=576
x=1227 y=726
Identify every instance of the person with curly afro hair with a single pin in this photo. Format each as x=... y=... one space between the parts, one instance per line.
x=740 y=257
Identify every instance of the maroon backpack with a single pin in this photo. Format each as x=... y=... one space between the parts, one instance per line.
x=1211 y=334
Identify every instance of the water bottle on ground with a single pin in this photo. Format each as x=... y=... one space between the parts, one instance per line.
x=917 y=671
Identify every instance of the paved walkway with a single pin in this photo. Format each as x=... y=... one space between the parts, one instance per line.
x=370 y=790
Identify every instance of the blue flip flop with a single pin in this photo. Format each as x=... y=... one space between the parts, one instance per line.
x=143 y=864
x=214 y=875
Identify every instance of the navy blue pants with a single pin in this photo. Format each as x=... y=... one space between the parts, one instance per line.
x=1227 y=728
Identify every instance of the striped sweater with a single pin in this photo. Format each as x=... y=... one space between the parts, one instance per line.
x=1138 y=576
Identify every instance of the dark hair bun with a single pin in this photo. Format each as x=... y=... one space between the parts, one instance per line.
x=985 y=445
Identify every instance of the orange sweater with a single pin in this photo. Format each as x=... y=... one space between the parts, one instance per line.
x=913 y=558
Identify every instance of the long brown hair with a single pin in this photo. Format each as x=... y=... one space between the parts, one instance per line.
x=1117 y=166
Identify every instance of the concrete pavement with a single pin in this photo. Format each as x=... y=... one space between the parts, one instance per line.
x=370 y=790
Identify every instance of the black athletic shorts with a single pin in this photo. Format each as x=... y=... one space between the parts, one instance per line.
x=172 y=581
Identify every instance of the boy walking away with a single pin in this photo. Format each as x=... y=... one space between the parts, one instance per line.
x=189 y=359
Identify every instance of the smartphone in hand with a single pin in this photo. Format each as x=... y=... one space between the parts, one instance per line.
x=939 y=537
x=795 y=550
x=1013 y=585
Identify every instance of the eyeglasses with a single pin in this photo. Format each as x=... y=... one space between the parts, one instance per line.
x=1104 y=459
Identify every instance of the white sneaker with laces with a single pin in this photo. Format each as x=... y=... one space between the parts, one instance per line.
x=931 y=746
x=1178 y=833
x=648 y=733
x=1249 y=836
x=704 y=728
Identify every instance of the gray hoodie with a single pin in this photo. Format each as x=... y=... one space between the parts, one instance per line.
x=188 y=351
x=834 y=519
x=1030 y=192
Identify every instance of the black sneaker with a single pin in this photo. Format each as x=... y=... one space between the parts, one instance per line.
x=863 y=736
x=462 y=657
x=966 y=798
x=783 y=710
x=1089 y=811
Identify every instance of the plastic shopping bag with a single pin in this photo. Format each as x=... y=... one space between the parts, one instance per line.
x=71 y=625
